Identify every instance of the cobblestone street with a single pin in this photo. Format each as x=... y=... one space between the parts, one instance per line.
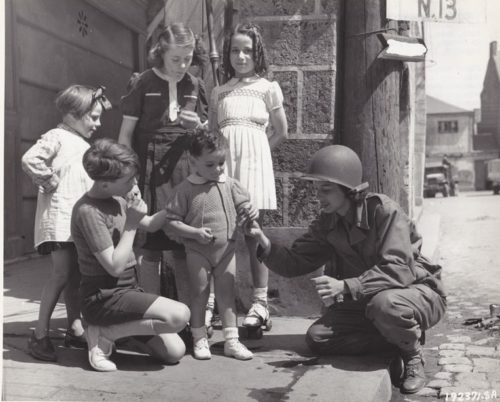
x=463 y=361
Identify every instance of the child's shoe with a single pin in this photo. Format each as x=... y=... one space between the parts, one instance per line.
x=201 y=349
x=75 y=341
x=100 y=349
x=234 y=348
x=41 y=349
x=257 y=316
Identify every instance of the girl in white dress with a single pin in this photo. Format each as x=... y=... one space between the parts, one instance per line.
x=54 y=164
x=242 y=109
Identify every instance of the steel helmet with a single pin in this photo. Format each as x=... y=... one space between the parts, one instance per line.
x=336 y=164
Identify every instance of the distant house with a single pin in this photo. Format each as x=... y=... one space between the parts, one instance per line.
x=449 y=132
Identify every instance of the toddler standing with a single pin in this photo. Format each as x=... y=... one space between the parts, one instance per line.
x=54 y=164
x=203 y=212
x=242 y=109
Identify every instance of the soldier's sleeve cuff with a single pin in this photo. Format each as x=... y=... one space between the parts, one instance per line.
x=354 y=288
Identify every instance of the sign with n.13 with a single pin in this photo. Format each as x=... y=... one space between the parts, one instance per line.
x=458 y=11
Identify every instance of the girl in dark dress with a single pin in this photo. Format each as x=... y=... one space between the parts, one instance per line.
x=165 y=104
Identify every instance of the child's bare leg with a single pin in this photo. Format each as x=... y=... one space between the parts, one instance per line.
x=260 y=273
x=177 y=260
x=70 y=293
x=61 y=263
x=224 y=275
x=258 y=314
x=199 y=280
x=224 y=280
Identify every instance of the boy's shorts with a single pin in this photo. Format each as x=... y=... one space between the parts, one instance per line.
x=117 y=305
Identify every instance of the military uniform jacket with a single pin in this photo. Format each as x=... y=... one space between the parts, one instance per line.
x=374 y=247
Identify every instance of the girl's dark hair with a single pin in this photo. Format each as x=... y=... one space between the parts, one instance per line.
x=75 y=100
x=177 y=34
x=258 y=52
x=107 y=160
x=206 y=140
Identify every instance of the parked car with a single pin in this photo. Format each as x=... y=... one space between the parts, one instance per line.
x=437 y=179
x=493 y=174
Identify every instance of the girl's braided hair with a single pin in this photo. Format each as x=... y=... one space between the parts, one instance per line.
x=258 y=52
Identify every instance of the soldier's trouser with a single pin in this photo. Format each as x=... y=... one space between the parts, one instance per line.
x=394 y=317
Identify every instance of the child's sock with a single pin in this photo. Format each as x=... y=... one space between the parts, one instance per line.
x=260 y=296
x=230 y=333
x=233 y=347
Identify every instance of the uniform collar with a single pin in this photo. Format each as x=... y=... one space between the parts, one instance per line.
x=355 y=222
x=357 y=215
x=195 y=179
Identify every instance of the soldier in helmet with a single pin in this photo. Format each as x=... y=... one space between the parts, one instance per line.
x=381 y=292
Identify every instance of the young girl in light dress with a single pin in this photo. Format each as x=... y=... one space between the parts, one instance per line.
x=54 y=163
x=242 y=109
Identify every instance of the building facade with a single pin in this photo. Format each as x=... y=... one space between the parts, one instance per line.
x=451 y=131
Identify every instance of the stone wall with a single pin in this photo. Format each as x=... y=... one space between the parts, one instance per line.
x=301 y=39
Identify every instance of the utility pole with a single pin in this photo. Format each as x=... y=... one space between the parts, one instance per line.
x=368 y=106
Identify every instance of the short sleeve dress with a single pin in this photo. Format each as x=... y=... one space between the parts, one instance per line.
x=241 y=108
x=159 y=139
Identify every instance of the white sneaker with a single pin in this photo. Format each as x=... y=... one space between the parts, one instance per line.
x=234 y=348
x=100 y=349
x=201 y=349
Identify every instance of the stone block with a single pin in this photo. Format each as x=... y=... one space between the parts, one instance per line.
x=330 y=7
x=294 y=155
x=451 y=353
x=318 y=93
x=275 y=218
x=288 y=84
x=426 y=391
x=484 y=341
x=453 y=360
x=486 y=364
x=471 y=380
x=452 y=346
x=458 y=368
x=438 y=384
x=299 y=43
x=265 y=8
x=459 y=339
x=303 y=207
x=443 y=376
x=481 y=351
x=494 y=376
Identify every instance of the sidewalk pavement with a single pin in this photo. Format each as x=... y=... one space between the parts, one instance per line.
x=282 y=368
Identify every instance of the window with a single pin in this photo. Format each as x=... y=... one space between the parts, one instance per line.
x=448 y=126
